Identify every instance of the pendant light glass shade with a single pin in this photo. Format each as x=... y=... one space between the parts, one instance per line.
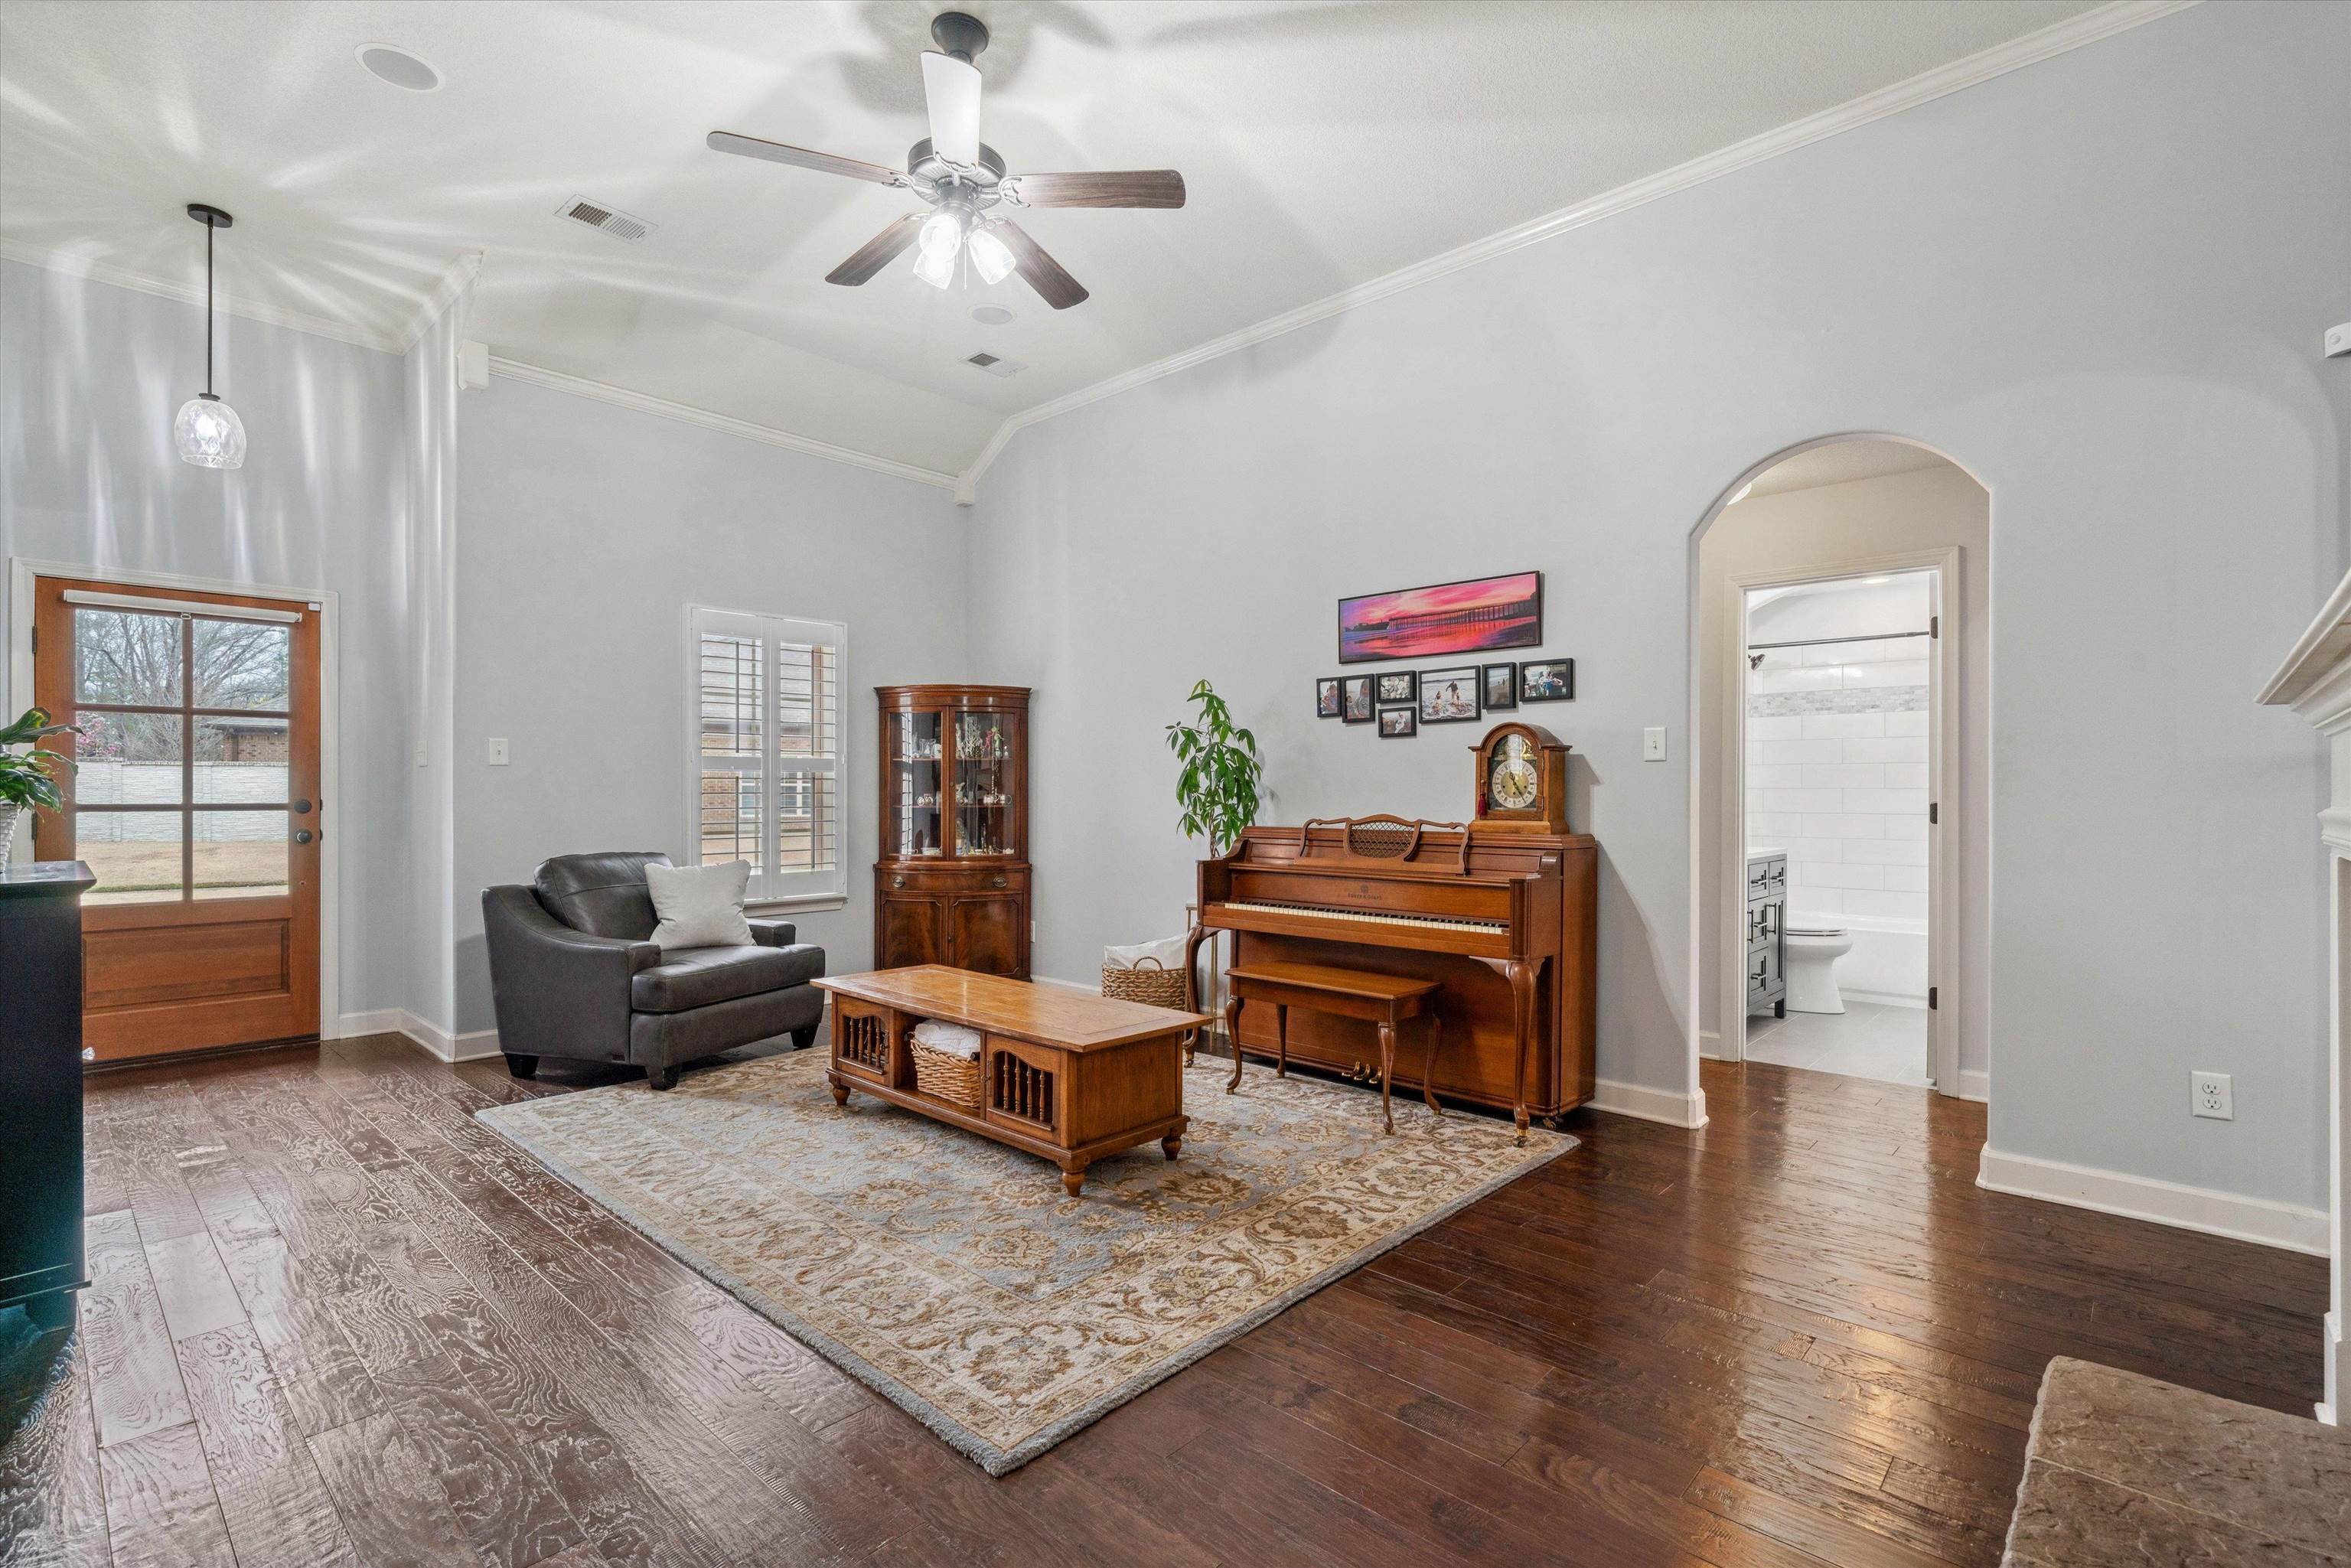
x=990 y=257
x=209 y=433
x=938 y=243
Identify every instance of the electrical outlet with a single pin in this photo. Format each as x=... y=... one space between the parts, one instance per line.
x=2211 y=1097
x=1652 y=745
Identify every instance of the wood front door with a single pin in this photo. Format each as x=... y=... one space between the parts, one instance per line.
x=194 y=799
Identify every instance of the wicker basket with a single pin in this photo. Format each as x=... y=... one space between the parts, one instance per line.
x=1159 y=986
x=944 y=1076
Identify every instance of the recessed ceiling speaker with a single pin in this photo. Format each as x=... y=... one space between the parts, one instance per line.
x=387 y=62
x=991 y=315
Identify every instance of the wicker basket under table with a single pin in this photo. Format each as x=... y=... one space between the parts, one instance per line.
x=946 y=1076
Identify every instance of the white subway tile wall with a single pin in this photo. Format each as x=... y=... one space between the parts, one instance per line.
x=1836 y=775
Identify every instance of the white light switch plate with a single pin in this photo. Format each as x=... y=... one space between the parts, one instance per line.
x=1652 y=745
x=2339 y=340
x=498 y=751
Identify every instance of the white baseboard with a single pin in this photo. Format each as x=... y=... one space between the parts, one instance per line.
x=384 y=1020
x=1709 y=1045
x=2200 y=1208
x=1974 y=1085
x=1882 y=999
x=1673 y=1108
x=429 y=1038
x=2337 y=1355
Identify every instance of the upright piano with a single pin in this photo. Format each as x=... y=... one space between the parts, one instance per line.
x=1504 y=922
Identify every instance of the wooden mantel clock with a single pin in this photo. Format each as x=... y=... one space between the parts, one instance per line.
x=1522 y=781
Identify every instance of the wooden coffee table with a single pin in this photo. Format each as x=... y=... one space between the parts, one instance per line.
x=1064 y=1074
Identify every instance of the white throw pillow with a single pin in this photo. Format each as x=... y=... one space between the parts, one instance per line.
x=699 y=905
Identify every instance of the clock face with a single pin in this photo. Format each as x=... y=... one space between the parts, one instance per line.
x=1511 y=781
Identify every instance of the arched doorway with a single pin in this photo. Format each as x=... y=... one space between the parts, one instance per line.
x=1840 y=713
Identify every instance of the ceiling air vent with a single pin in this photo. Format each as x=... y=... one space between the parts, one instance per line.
x=608 y=220
x=997 y=366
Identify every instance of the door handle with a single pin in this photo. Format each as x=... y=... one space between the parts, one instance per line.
x=301 y=808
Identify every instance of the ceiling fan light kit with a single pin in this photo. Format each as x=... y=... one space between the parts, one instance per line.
x=963 y=180
x=207 y=432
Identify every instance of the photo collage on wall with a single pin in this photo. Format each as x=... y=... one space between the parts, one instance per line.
x=1479 y=616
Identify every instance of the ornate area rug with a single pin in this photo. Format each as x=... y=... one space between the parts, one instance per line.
x=949 y=1272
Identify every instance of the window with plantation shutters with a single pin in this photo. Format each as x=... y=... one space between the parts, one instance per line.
x=764 y=774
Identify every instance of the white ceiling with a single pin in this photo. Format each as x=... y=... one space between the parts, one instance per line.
x=1324 y=145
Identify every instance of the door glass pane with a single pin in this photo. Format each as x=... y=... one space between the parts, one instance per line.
x=914 y=825
x=241 y=854
x=983 y=785
x=243 y=664
x=128 y=758
x=242 y=760
x=126 y=656
x=135 y=854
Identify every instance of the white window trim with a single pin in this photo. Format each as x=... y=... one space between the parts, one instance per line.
x=777 y=889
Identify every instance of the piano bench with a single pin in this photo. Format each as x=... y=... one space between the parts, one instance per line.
x=1383 y=999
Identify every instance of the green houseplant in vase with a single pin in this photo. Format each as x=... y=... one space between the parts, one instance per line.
x=28 y=777
x=1217 y=788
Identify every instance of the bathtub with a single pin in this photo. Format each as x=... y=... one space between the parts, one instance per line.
x=1888 y=961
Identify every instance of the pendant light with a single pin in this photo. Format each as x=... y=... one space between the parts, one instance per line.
x=208 y=432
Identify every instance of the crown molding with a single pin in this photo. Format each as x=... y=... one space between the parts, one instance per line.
x=2073 y=32
x=725 y=423
x=98 y=271
x=454 y=279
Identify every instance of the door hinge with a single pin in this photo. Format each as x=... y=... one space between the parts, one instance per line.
x=1934 y=811
x=1934 y=994
x=1934 y=628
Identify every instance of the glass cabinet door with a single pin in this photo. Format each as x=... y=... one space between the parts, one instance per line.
x=912 y=826
x=984 y=784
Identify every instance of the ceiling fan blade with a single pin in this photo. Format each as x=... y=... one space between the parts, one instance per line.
x=878 y=252
x=1135 y=188
x=951 y=88
x=1038 y=270
x=823 y=163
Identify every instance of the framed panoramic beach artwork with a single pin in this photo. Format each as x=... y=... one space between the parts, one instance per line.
x=1448 y=697
x=1326 y=698
x=1355 y=699
x=1398 y=686
x=1551 y=681
x=1396 y=723
x=1501 y=685
x=1445 y=618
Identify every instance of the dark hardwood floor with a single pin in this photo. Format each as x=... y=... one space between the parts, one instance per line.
x=335 y=1321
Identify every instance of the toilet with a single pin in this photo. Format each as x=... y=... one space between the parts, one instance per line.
x=1814 y=946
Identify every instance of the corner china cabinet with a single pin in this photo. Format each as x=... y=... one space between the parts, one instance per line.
x=952 y=884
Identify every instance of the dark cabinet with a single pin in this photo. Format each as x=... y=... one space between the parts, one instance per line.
x=1767 y=936
x=41 y=1261
x=952 y=886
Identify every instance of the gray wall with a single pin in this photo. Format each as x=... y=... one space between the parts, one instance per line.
x=583 y=532
x=2098 y=282
x=1923 y=510
x=90 y=377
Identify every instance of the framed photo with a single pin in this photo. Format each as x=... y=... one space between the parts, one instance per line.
x=1355 y=699
x=1467 y=617
x=1499 y=685
x=1326 y=698
x=1449 y=697
x=1548 y=681
x=1396 y=723
x=1399 y=686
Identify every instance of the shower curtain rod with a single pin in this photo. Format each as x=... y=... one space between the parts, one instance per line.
x=1818 y=642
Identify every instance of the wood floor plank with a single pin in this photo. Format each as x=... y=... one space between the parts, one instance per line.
x=383 y=1484
x=160 y=1508
x=134 y=1378
x=52 y=1500
x=268 y=1489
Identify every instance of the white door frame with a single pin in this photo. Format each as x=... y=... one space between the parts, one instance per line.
x=22 y=570
x=1943 y=783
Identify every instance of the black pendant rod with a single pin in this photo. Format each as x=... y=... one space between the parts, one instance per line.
x=213 y=218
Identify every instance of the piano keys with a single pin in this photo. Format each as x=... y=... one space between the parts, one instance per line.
x=1505 y=921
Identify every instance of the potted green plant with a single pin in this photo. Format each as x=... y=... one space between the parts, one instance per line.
x=1218 y=785
x=28 y=778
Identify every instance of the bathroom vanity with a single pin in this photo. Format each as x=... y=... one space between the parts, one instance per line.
x=1767 y=932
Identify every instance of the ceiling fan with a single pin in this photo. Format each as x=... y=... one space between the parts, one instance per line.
x=963 y=180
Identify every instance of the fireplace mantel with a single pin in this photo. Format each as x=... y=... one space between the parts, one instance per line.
x=2316 y=682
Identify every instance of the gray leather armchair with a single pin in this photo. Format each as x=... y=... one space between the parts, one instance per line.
x=573 y=973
